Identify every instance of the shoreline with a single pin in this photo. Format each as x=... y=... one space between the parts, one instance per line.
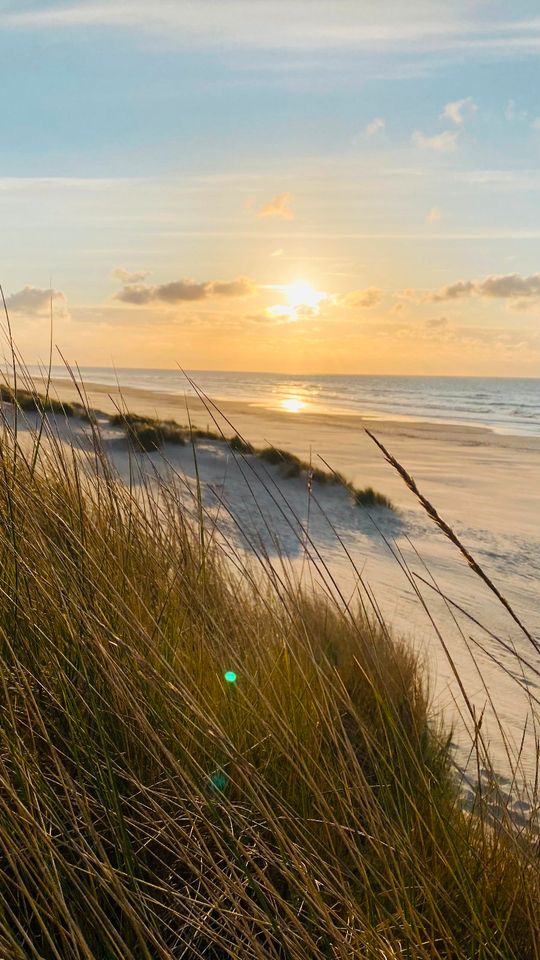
x=298 y=399
x=468 y=472
x=157 y=400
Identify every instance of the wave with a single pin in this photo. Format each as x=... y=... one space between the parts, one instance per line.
x=506 y=405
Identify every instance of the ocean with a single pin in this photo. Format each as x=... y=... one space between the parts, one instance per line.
x=506 y=405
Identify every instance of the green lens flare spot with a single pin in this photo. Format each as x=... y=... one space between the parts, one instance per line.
x=230 y=676
x=219 y=781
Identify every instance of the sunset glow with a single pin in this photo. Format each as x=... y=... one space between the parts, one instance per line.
x=264 y=217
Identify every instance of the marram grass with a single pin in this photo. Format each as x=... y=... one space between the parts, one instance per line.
x=199 y=763
x=148 y=434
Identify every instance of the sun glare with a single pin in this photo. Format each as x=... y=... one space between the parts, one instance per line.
x=303 y=301
x=293 y=404
x=303 y=294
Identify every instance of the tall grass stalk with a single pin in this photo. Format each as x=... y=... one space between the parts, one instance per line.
x=149 y=808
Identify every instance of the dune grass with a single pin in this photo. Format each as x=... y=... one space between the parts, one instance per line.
x=238 y=445
x=368 y=497
x=32 y=402
x=147 y=434
x=150 y=433
x=197 y=762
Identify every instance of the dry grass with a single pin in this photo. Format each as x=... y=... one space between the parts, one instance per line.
x=149 y=808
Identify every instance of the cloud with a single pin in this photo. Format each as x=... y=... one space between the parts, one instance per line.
x=523 y=305
x=510 y=286
x=454 y=291
x=279 y=207
x=275 y=315
x=35 y=302
x=445 y=142
x=457 y=110
x=277 y=253
x=186 y=291
x=423 y=26
x=176 y=292
x=375 y=126
x=436 y=323
x=535 y=124
x=434 y=215
x=235 y=289
x=361 y=298
x=512 y=112
x=127 y=276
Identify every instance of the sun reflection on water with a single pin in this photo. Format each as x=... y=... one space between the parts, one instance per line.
x=293 y=404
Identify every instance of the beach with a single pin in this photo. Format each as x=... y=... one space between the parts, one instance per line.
x=484 y=484
x=473 y=474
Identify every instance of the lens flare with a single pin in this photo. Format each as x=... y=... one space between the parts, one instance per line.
x=219 y=781
x=230 y=676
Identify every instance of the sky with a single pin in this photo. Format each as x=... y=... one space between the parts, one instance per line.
x=299 y=186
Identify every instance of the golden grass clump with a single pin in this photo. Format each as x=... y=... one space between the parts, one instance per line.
x=198 y=762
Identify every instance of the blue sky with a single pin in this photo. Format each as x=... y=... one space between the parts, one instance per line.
x=355 y=146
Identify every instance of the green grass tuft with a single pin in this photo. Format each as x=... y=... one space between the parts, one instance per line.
x=290 y=465
x=31 y=402
x=148 y=433
x=368 y=497
x=240 y=446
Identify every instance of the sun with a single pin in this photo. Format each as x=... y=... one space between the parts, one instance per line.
x=303 y=301
x=301 y=293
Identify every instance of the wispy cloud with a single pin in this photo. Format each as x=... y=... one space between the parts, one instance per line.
x=445 y=142
x=280 y=207
x=311 y=24
x=501 y=233
x=129 y=276
x=369 y=297
x=436 y=323
x=377 y=125
x=458 y=110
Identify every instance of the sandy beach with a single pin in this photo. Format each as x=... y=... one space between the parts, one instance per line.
x=484 y=484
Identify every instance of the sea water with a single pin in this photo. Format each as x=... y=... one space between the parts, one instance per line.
x=506 y=405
